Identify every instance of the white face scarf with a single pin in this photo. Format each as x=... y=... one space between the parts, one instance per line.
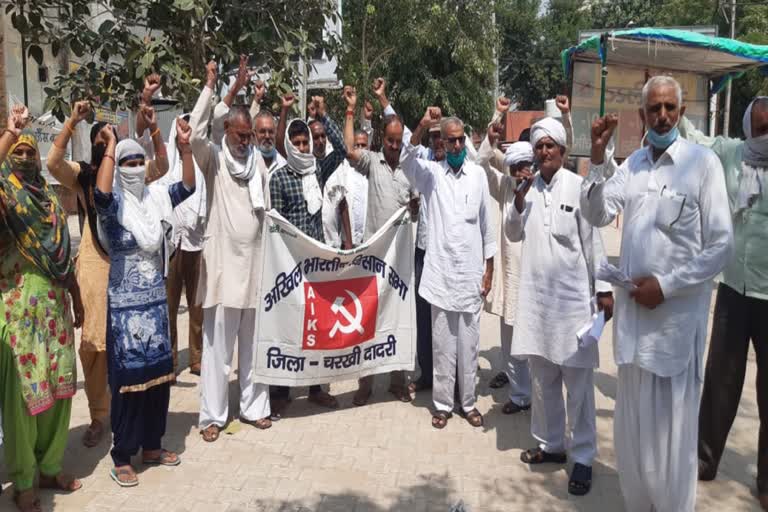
x=305 y=165
x=246 y=171
x=755 y=148
x=140 y=209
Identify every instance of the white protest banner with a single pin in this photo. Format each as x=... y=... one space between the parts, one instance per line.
x=329 y=315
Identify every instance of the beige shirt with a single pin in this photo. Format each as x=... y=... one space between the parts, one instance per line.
x=91 y=265
x=230 y=272
x=502 y=301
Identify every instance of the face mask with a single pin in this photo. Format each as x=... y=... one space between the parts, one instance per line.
x=24 y=165
x=268 y=151
x=455 y=160
x=97 y=154
x=132 y=181
x=662 y=141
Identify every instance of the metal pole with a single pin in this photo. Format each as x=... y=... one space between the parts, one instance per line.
x=24 y=63
x=729 y=88
x=495 y=58
x=603 y=70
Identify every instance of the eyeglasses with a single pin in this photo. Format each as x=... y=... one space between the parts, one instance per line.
x=454 y=140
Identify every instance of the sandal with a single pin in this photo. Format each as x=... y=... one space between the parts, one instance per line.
x=361 y=397
x=474 y=418
x=124 y=476
x=60 y=482
x=93 y=434
x=26 y=501
x=417 y=386
x=512 y=408
x=210 y=433
x=401 y=394
x=324 y=399
x=499 y=381
x=166 y=458
x=261 y=424
x=440 y=419
x=581 y=480
x=539 y=456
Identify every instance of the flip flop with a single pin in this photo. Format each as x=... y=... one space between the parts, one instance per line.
x=581 y=480
x=440 y=419
x=115 y=473
x=70 y=483
x=539 y=456
x=165 y=459
x=210 y=433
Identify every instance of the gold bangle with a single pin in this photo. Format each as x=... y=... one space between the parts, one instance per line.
x=157 y=131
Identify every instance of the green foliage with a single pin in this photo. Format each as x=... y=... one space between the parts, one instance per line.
x=431 y=52
x=118 y=42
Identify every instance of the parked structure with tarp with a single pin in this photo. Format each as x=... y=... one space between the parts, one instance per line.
x=608 y=72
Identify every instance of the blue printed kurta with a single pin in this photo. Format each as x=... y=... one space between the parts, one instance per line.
x=138 y=336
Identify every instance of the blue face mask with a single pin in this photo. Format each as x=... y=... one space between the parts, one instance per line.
x=662 y=141
x=455 y=160
x=268 y=154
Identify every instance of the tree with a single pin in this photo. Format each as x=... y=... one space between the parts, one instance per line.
x=118 y=42
x=432 y=52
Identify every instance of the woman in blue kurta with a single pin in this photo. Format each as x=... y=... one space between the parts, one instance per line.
x=132 y=227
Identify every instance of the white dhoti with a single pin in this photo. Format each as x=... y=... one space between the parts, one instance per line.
x=655 y=434
x=222 y=327
x=455 y=347
x=516 y=369
x=548 y=412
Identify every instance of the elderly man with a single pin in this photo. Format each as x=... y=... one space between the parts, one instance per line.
x=263 y=120
x=236 y=179
x=458 y=265
x=556 y=298
x=742 y=296
x=296 y=193
x=345 y=198
x=388 y=191
x=677 y=237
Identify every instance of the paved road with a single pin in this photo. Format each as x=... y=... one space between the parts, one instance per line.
x=382 y=457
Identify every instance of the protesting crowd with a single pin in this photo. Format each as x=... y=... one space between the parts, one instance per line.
x=165 y=213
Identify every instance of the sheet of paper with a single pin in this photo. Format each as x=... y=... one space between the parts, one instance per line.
x=612 y=274
x=591 y=332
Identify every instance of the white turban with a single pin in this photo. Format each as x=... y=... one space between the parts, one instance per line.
x=548 y=127
x=518 y=152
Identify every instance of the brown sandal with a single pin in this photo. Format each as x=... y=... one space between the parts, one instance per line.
x=93 y=434
x=60 y=482
x=210 y=433
x=474 y=418
x=165 y=458
x=324 y=399
x=401 y=394
x=27 y=501
x=440 y=419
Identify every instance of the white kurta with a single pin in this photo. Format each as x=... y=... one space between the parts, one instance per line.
x=350 y=184
x=232 y=244
x=677 y=228
x=555 y=297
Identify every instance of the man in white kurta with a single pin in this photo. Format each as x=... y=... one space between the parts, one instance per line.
x=677 y=237
x=458 y=265
x=556 y=298
x=230 y=270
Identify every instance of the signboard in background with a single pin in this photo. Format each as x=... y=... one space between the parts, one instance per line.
x=623 y=96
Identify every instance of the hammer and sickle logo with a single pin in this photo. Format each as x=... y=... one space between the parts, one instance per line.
x=354 y=322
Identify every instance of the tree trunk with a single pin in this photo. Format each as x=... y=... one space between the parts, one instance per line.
x=3 y=87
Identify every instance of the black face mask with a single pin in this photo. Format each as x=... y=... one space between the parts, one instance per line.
x=97 y=154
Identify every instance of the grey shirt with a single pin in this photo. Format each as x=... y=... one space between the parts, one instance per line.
x=388 y=190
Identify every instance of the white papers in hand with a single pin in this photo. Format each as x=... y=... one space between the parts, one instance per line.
x=612 y=274
x=590 y=333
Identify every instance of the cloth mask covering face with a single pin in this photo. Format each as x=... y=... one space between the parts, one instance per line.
x=132 y=180
x=268 y=154
x=28 y=166
x=662 y=141
x=456 y=160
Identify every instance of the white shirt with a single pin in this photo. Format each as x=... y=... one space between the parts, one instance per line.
x=459 y=232
x=677 y=228
x=350 y=184
x=554 y=292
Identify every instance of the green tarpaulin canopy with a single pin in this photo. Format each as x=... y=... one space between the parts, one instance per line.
x=719 y=58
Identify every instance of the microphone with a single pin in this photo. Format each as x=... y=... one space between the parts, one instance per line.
x=521 y=186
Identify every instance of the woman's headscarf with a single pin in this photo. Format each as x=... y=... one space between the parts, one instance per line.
x=141 y=209
x=32 y=213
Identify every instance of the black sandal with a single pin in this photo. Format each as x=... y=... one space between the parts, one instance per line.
x=498 y=381
x=440 y=419
x=539 y=456
x=512 y=408
x=581 y=480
